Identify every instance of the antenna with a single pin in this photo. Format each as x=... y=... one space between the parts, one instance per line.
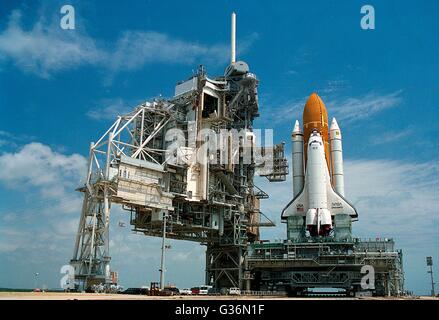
x=233 y=40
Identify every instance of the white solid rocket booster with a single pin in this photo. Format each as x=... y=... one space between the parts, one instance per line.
x=336 y=157
x=297 y=159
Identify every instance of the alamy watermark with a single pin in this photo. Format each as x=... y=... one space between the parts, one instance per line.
x=67 y=282
x=368 y=20
x=226 y=147
x=67 y=21
x=368 y=280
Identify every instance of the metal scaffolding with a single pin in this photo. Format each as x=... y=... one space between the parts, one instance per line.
x=296 y=268
x=192 y=159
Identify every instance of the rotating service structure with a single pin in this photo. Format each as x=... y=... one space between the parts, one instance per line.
x=189 y=160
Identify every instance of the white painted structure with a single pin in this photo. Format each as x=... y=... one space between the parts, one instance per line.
x=233 y=39
x=297 y=159
x=336 y=157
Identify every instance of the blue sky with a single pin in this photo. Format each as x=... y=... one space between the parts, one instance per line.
x=60 y=89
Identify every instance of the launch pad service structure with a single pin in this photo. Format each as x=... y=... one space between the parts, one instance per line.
x=185 y=167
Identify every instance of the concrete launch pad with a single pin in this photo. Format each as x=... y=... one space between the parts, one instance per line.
x=97 y=296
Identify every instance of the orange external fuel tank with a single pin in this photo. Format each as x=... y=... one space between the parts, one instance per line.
x=315 y=116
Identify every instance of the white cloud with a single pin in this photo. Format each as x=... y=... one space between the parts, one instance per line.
x=41 y=213
x=350 y=110
x=45 y=49
x=292 y=108
x=389 y=137
x=10 y=140
x=109 y=109
x=333 y=86
x=395 y=198
x=134 y=49
x=37 y=165
x=46 y=181
x=19 y=237
x=345 y=109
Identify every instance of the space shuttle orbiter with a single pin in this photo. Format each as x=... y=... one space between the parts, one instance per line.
x=317 y=160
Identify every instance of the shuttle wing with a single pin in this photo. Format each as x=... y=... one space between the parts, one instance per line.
x=337 y=204
x=297 y=206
